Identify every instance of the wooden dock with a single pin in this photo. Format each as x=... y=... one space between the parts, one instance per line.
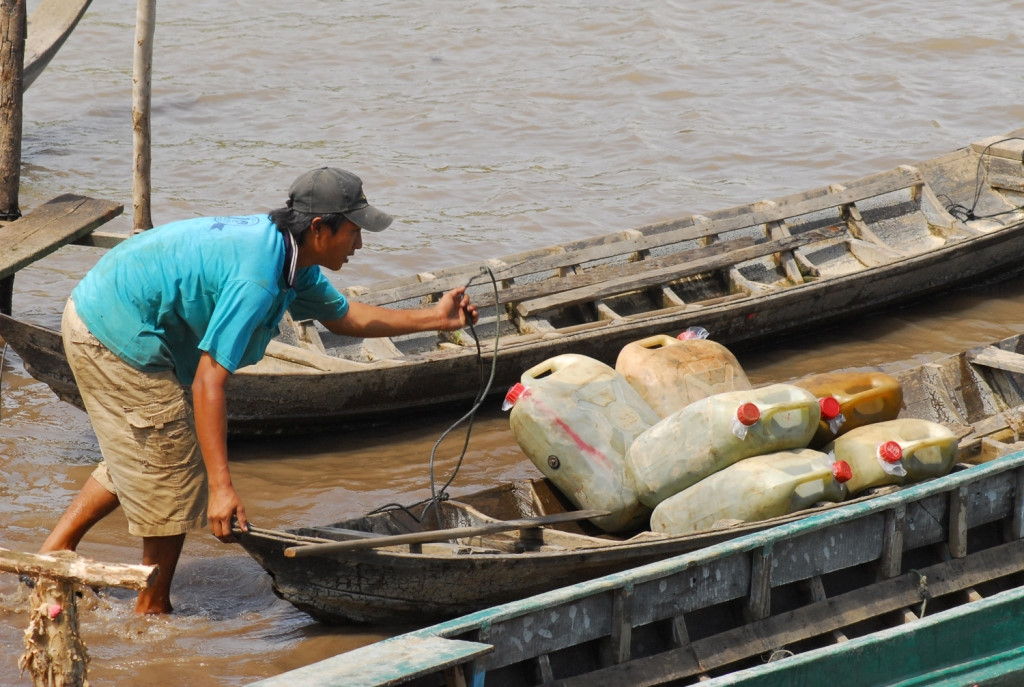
x=68 y=218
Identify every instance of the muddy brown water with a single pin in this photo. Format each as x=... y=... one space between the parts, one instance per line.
x=486 y=129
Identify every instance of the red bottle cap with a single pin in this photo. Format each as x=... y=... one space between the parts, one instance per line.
x=513 y=394
x=890 y=452
x=748 y=414
x=829 y=407
x=842 y=471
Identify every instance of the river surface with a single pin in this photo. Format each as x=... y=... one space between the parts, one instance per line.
x=485 y=128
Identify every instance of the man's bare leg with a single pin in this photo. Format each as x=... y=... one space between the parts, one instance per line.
x=162 y=552
x=92 y=504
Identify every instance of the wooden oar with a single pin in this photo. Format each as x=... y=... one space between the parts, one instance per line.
x=440 y=535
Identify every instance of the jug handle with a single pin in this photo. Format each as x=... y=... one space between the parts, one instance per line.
x=657 y=341
x=769 y=410
x=549 y=366
x=911 y=446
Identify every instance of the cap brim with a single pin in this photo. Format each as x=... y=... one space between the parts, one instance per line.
x=370 y=218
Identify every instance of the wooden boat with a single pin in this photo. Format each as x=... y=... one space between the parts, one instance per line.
x=917 y=587
x=979 y=394
x=746 y=274
x=49 y=26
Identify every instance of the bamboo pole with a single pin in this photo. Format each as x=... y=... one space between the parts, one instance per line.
x=55 y=655
x=145 y=25
x=12 y=55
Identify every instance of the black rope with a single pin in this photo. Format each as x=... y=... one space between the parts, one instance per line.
x=437 y=496
x=964 y=213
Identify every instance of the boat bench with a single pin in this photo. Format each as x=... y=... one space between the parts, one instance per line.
x=390 y=662
x=57 y=222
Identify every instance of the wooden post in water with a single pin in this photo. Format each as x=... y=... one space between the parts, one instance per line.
x=55 y=655
x=12 y=55
x=145 y=24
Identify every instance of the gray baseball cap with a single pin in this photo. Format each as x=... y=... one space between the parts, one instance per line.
x=330 y=190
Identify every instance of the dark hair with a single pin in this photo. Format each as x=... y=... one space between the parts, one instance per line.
x=297 y=223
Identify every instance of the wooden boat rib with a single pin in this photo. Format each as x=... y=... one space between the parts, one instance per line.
x=979 y=394
x=746 y=274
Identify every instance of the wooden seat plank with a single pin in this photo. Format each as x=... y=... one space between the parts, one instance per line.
x=635 y=276
x=53 y=224
x=997 y=358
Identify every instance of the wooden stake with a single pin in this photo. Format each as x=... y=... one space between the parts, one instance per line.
x=145 y=25
x=55 y=655
x=12 y=55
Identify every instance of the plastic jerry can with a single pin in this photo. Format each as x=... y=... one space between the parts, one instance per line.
x=864 y=398
x=670 y=373
x=754 y=489
x=575 y=417
x=715 y=432
x=898 y=451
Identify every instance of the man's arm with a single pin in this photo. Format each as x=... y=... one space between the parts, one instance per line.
x=453 y=311
x=212 y=432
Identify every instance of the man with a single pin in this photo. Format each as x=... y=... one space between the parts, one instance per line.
x=186 y=304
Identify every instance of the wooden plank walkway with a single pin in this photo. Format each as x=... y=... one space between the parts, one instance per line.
x=57 y=222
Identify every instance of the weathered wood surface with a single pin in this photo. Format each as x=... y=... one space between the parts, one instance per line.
x=12 y=50
x=55 y=655
x=390 y=663
x=53 y=224
x=79 y=570
x=998 y=358
x=439 y=535
x=640 y=275
x=142 y=88
x=773 y=633
x=645 y=238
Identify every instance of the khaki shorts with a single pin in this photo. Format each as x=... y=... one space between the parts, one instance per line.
x=146 y=432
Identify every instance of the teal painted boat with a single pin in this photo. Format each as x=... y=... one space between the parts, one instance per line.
x=921 y=586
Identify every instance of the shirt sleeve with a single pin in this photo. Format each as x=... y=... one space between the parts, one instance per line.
x=241 y=308
x=316 y=298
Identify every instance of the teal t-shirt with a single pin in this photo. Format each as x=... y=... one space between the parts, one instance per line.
x=213 y=284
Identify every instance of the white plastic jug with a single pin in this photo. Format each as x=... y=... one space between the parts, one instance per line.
x=898 y=451
x=756 y=488
x=715 y=432
x=575 y=418
x=670 y=373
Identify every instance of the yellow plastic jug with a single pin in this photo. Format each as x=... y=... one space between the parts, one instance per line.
x=898 y=451
x=864 y=398
x=575 y=417
x=715 y=432
x=670 y=373
x=754 y=489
